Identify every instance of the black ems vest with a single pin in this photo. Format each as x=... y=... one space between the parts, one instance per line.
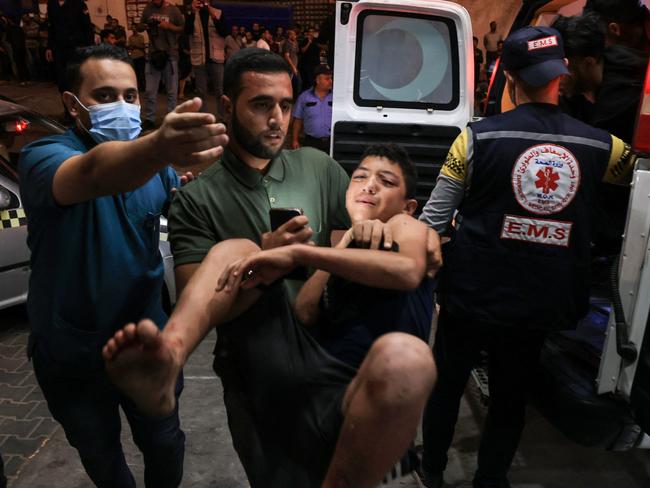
x=520 y=255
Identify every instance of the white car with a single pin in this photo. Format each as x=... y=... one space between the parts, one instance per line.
x=19 y=126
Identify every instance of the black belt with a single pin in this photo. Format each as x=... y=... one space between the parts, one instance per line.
x=320 y=139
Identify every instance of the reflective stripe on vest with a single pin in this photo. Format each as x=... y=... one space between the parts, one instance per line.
x=536 y=136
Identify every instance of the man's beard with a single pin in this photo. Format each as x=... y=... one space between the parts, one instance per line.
x=253 y=144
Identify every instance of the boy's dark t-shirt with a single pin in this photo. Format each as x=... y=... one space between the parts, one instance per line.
x=356 y=315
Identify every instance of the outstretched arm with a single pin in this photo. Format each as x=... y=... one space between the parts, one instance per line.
x=185 y=137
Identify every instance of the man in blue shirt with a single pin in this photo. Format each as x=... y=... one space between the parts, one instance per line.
x=93 y=197
x=313 y=112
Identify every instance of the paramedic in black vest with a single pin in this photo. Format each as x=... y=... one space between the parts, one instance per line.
x=517 y=265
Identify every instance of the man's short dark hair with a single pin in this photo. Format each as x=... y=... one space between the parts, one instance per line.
x=82 y=54
x=625 y=11
x=250 y=59
x=398 y=155
x=104 y=33
x=583 y=35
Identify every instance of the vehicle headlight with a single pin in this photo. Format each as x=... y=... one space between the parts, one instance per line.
x=5 y=198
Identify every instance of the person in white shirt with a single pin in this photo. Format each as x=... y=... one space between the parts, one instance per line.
x=490 y=41
x=265 y=41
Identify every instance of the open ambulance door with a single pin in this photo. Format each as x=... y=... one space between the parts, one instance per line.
x=403 y=73
x=625 y=363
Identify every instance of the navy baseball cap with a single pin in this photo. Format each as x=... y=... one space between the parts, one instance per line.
x=535 y=54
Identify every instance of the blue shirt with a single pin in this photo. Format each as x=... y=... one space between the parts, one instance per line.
x=316 y=114
x=96 y=264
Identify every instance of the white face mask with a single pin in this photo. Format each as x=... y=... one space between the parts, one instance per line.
x=116 y=121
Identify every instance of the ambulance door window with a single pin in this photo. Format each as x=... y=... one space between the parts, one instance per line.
x=406 y=60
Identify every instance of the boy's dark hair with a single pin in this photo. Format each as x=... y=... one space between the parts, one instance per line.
x=475 y=38
x=82 y=54
x=583 y=35
x=398 y=155
x=625 y=11
x=250 y=59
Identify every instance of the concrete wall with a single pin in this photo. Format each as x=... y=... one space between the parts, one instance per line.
x=99 y=9
x=482 y=12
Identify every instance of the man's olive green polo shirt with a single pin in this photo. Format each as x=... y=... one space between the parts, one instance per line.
x=231 y=200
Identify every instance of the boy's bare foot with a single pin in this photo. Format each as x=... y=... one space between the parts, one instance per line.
x=145 y=366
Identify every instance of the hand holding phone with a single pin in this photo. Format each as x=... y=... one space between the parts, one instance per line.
x=288 y=226
x=280 y=216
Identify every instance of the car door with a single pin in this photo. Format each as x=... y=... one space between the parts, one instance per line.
x=14 y=254
x=625 y=363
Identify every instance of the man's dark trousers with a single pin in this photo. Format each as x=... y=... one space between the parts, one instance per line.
x=320 y=143
x=87 y=406
x=513 y=354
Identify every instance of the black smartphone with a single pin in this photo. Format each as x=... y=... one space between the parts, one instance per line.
x=280 y=216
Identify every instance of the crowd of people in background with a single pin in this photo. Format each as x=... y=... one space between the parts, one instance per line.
x=23 y=43
x=196 y=38
x=190 y=48
x=484 y=64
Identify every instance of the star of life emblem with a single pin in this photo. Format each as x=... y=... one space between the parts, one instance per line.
x=545 y=178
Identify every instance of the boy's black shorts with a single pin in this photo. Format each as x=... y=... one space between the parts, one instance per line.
x=283 y=394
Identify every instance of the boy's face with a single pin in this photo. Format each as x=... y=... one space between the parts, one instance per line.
x=377 y=191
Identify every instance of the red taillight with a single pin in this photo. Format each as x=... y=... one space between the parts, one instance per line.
x=21 y=126
x=641 y=142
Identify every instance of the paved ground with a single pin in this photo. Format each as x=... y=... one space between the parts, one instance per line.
x=25 y=423
x=38 y=456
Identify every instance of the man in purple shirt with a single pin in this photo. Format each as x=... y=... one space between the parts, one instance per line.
x=312 y=112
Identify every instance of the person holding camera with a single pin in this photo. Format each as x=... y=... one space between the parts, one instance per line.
x=164 y=23
x=207 y=33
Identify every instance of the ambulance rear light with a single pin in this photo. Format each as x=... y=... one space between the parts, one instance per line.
x=492 y=77
x=641 y=142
